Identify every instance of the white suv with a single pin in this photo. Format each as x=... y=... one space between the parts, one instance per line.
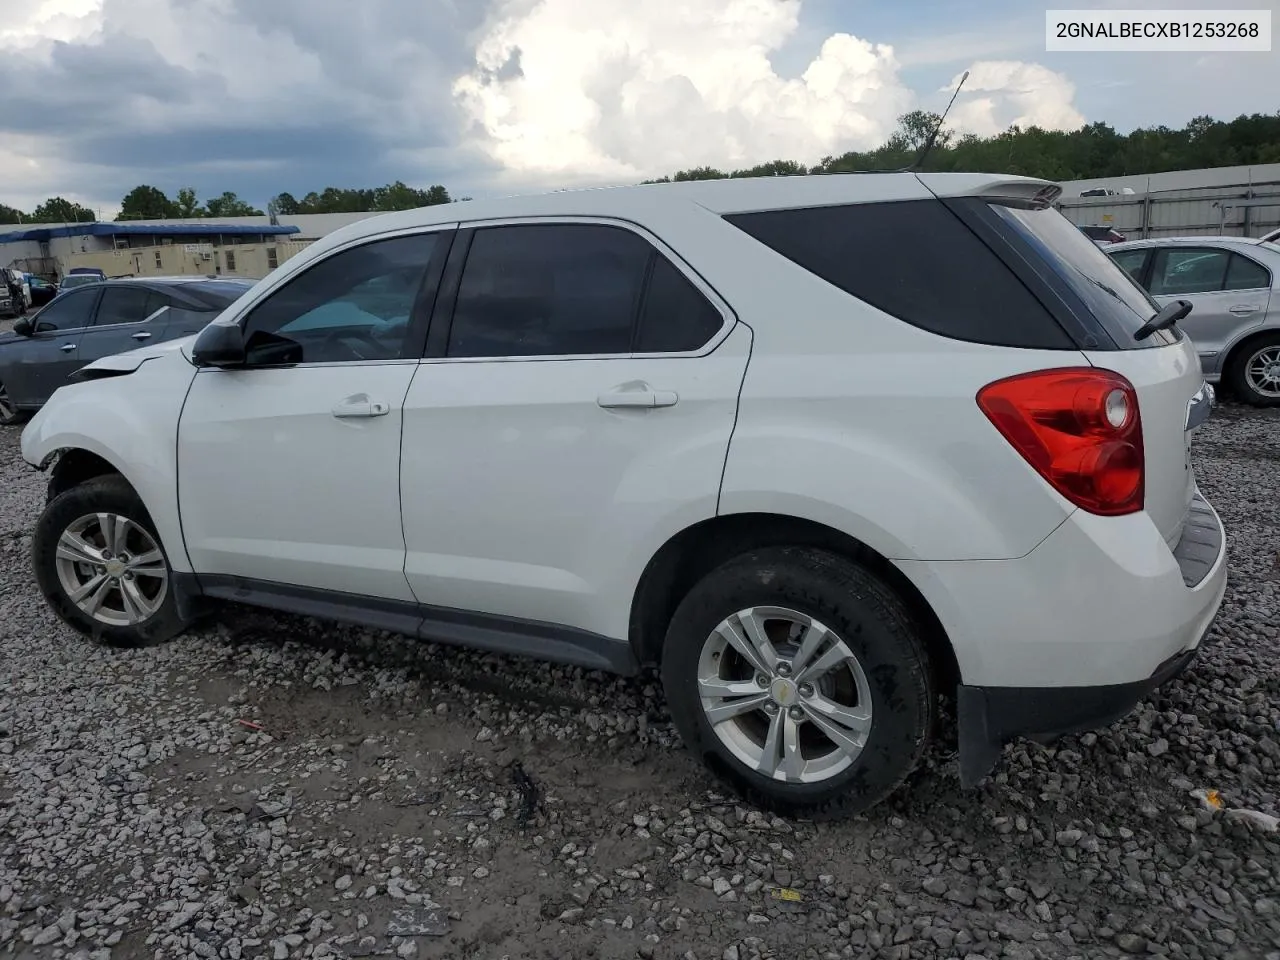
x=821 y=448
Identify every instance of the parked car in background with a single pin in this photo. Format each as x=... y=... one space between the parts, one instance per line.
x=79 y=277
x=659 y=425
x=10 y=304
x=42 y=291
x=1231 y=284
x=104 y=318
x=1103 y=235
x=15 y=283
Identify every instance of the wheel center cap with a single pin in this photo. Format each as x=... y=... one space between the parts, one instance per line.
x=115 y=568
x=783 y=691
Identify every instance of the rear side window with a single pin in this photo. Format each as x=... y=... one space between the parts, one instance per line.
x=1245 y=274
x=676 y=316
x=915 y=260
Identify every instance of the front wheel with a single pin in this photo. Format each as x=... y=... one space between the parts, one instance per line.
x=1254 y=375
x=10 y=415
x=800 y=677
x=100 y=565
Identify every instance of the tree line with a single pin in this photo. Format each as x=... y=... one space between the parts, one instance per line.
x=1093 y=151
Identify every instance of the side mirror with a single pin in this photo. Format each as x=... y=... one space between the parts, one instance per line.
x=22 y=327
x=219 y=345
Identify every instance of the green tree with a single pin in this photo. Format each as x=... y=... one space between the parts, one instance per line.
x=914 y=129
x=700 y=173
x=1095 y=150
x=10 y=214
x=286 y=204
x=188 y=205
x=400 y=196
x=59 y=210
x=147 y=203
x=229 y=205
x=774 y=168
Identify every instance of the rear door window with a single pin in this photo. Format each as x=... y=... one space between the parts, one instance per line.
x=919 y=262
x=569 y=289
x=1185 y=270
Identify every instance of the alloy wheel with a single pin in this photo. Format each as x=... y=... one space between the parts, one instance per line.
x=112 y=569
x=784 y=694
x=1262 y=372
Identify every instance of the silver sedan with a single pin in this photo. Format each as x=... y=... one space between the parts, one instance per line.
x=1231 y=283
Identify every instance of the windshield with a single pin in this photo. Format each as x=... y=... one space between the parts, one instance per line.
x=1115 y=300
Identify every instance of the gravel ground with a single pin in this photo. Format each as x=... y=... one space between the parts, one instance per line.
x=280 y=787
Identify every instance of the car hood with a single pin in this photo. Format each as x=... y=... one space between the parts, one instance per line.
x=131 y=360
x=9 y=336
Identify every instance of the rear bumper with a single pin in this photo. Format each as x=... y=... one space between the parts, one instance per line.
x=990 y=717
x=1073 y=635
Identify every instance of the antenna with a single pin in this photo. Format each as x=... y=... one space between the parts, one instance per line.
x=928 y=144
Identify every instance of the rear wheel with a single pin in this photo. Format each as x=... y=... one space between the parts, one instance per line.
x=801 y=678
x=1254 y=374
x=9 y=414
x=100 y=565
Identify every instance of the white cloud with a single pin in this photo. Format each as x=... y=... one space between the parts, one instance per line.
x=1000 y=93
x=260 y=96
x=618 y=89
x=31 y=24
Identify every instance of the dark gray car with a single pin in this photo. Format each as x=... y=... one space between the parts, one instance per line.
x=99 y=320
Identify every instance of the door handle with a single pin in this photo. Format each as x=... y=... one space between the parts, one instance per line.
x=1242 y=310
x=142 y=336
x=67 y=347
x=360 y=405
x=645 y=399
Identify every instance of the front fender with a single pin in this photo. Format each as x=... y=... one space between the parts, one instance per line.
x=131 y=422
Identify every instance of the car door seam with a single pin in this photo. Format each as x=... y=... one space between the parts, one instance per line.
x=737 y=407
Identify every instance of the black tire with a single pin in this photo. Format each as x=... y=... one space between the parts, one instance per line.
x=872 y=621
x=109 y=494
x=1237 y=372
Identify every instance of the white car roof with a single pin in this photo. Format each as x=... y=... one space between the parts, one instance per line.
x=725 y=196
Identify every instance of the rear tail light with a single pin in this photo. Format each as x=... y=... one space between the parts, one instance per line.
x=1079 y=427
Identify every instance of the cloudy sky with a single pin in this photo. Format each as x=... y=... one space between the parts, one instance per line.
x=502 y=96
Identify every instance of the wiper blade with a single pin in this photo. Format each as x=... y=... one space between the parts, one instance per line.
x=1169 y=315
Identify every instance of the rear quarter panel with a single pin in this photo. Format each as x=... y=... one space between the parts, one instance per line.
x=857 y=420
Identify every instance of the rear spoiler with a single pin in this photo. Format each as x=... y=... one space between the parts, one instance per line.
x=1027 y=190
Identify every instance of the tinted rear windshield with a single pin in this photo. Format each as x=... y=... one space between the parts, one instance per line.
x=79 y=280
x=217 y=294
x=1110 y=294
